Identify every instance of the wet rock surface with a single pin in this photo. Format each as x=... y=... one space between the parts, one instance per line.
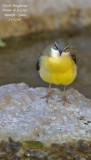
x=25 y=115
x=77 y=150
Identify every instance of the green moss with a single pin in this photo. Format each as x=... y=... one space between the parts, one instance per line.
x=2 y=44
x=33 y=144
x=34 y=150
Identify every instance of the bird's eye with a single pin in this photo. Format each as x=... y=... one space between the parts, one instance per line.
x=66 y=49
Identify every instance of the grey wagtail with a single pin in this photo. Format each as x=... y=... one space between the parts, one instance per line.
x=57 y=65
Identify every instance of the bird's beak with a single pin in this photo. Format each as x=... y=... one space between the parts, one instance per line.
x=60 y=50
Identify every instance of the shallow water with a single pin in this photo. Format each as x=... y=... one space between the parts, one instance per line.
x=18 y=60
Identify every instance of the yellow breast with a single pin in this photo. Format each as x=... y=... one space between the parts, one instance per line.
x=57 y=70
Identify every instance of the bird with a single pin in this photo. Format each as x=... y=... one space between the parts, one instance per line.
x=57 y=64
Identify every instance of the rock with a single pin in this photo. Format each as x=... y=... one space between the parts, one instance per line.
x=67 y=16
x=73 y=150
x=25 y=115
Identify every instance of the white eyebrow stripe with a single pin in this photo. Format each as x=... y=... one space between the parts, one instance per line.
x=66 y=48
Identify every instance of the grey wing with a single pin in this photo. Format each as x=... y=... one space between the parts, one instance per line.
x=45 y=52
x=73 y=53
x=38 y=65
x=74 y=58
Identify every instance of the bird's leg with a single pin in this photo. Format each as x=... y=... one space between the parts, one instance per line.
x=64 y=98
x=49 y=93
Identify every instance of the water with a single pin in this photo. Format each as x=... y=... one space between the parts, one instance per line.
x=18 y=60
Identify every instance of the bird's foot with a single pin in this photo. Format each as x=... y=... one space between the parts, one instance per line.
x=48 y=96
x=65 y=100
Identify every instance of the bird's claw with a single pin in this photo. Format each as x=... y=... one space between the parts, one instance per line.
x=65 y=100
x=48 y=96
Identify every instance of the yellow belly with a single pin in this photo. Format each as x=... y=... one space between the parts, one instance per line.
x=57 y=70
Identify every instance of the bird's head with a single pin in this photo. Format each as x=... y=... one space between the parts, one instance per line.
x=57 y=50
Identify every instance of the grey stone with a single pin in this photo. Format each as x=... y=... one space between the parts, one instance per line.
x=25 y=115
